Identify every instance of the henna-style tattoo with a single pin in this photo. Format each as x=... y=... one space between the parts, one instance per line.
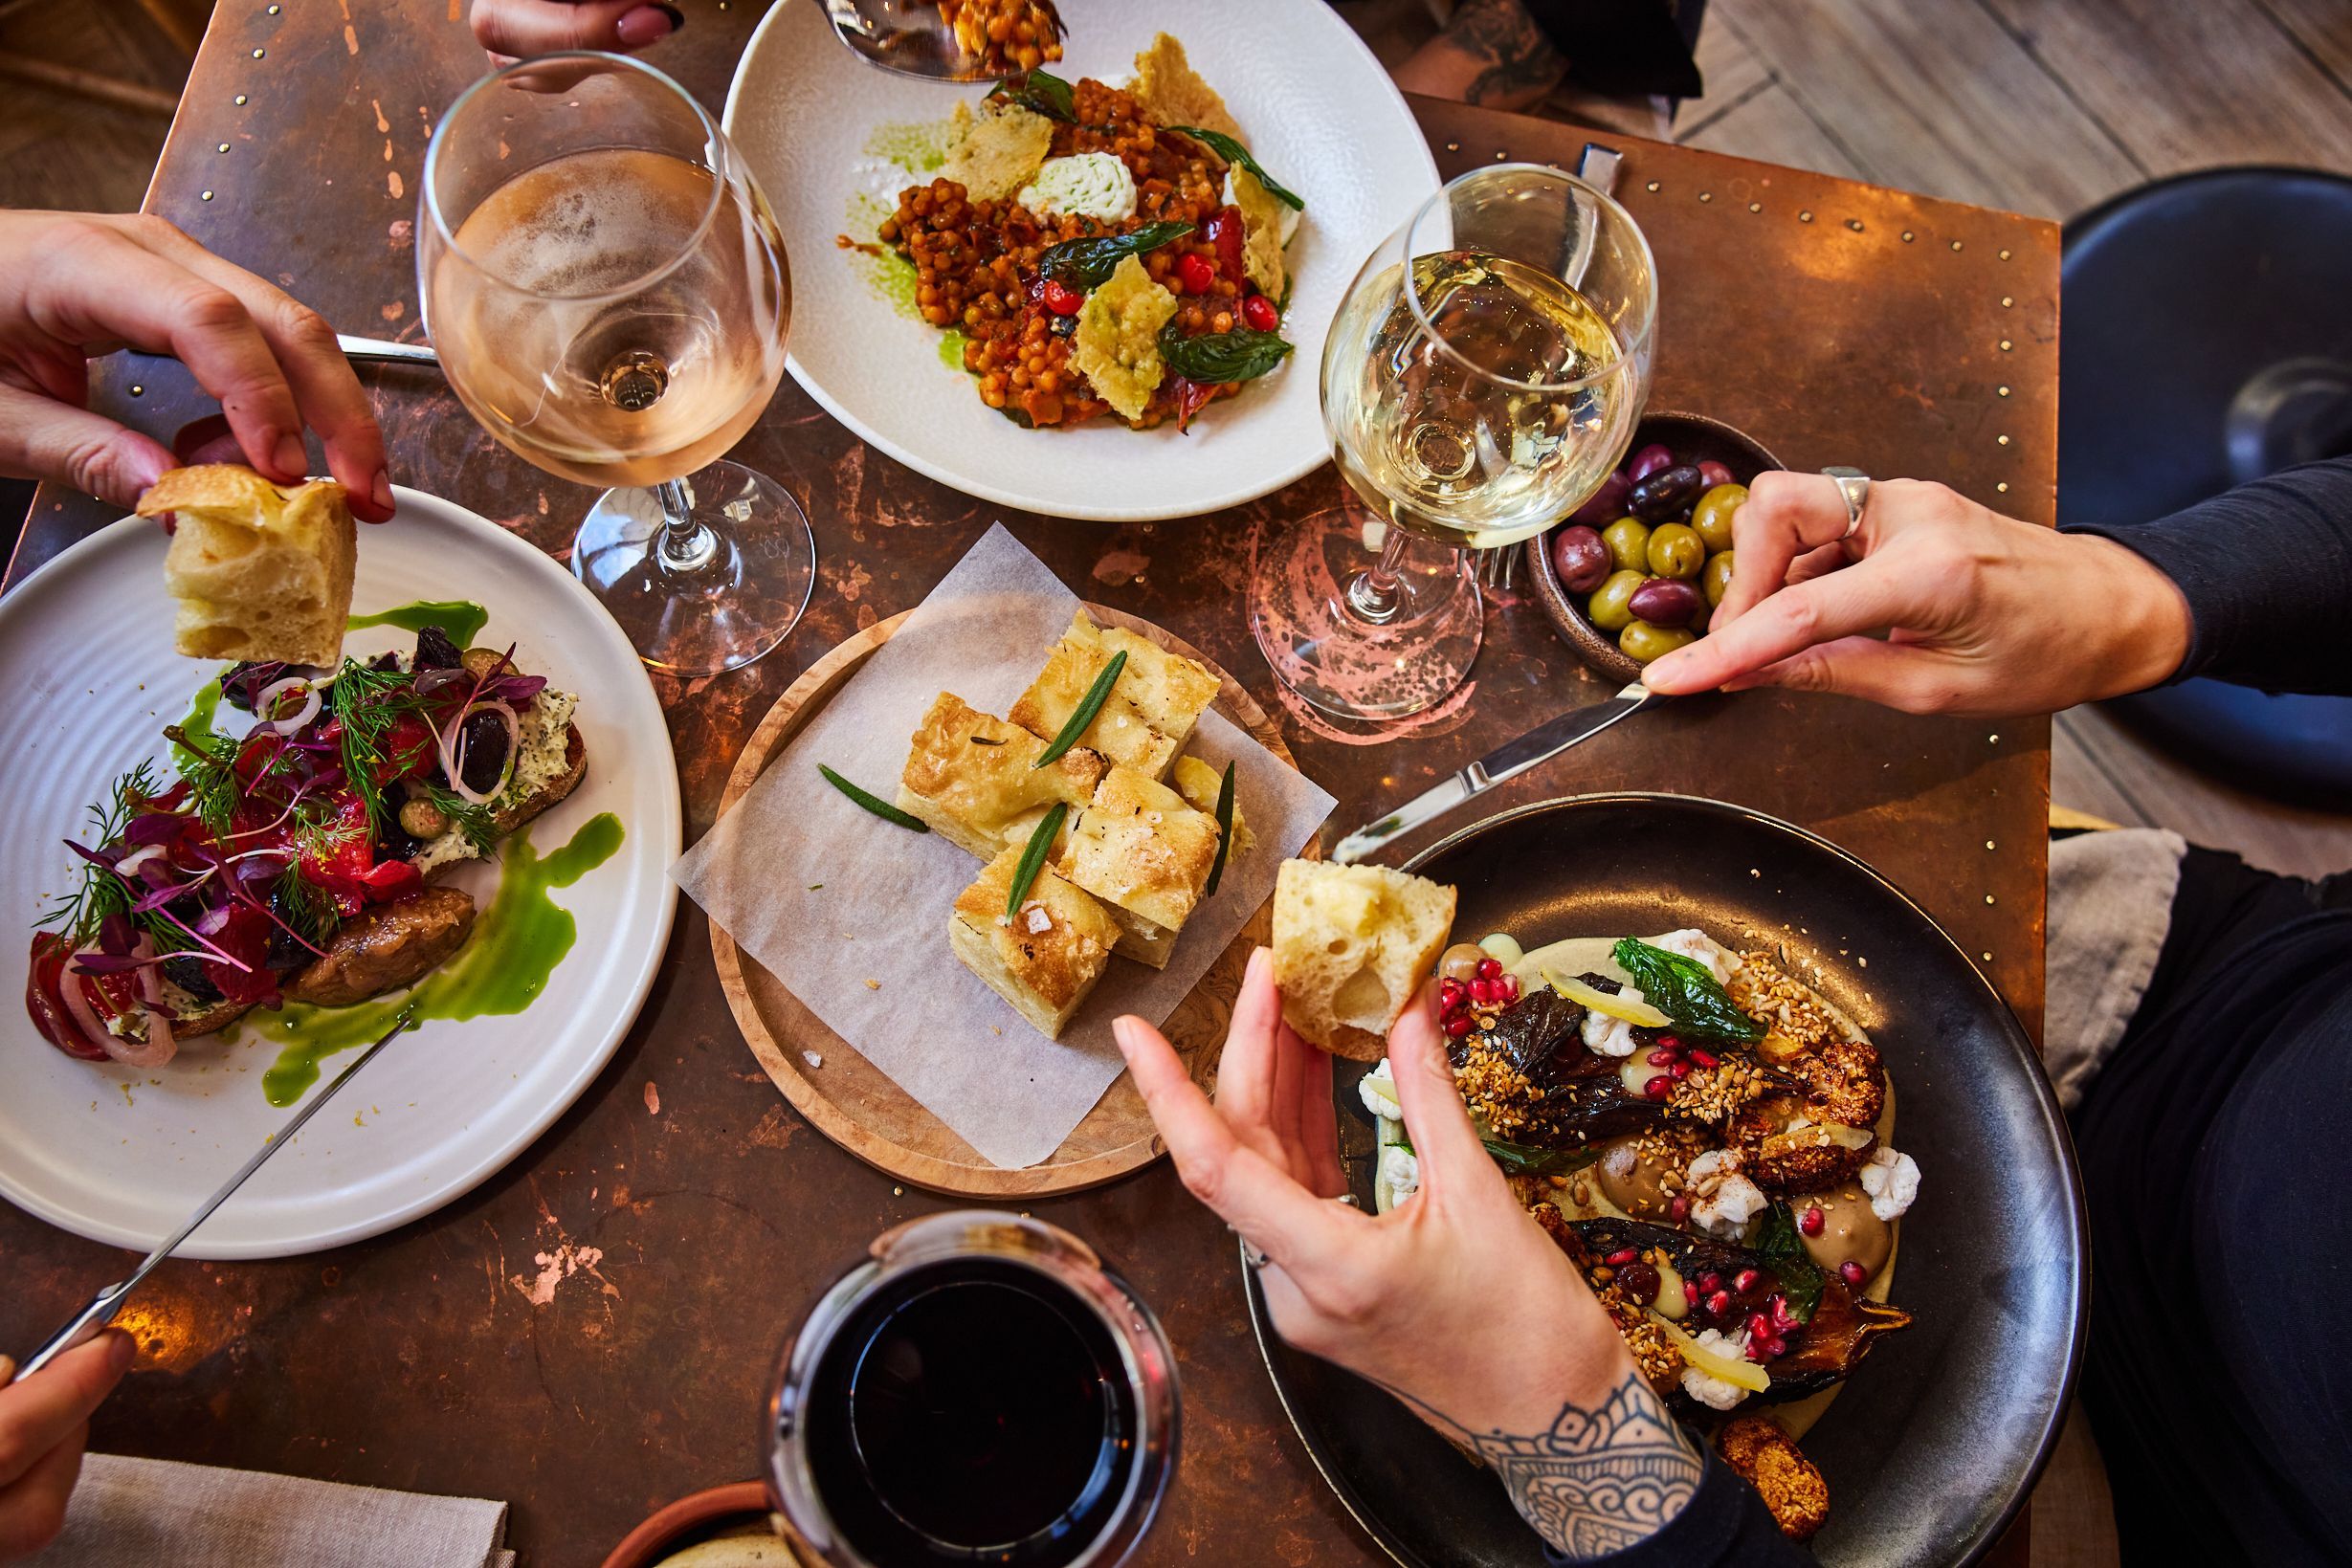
x=1519 y=57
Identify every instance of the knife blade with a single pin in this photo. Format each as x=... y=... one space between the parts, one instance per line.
x=1508 y=761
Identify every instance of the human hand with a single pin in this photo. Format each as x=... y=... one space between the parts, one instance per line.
x=76 y=285
x=513 y=30
x=1983 y=615
x=44 y=1421
x=1455 y=1301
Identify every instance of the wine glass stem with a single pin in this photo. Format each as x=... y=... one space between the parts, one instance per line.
x=687 y=545
x=1372 y=592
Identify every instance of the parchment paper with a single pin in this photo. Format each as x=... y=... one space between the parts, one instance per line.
x=882 y=911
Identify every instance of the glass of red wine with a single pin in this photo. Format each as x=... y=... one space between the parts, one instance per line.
x=981 y=1388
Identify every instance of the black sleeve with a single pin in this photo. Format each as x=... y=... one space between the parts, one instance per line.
x=1726 y=1525
x=2268 y=571
x=1625 y=46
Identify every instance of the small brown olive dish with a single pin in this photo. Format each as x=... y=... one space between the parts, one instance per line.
x=1692 y=440
x=690 y=1521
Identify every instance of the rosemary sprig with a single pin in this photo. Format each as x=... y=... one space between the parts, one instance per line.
x=1225 y=831
x=1032 y=858
x=1084 y=713
x=880 y=807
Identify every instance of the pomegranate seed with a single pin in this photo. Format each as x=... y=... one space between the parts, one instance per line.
x=1197 y=272
x=1775 y=1347
x=1678 y=1210
x=1811 y=1220
x=1457 y=1025
x=1061 y=299
x=1659 y=1087
x=1509 y=985
x=1681 y=1070
x=1710 y=1282
x=1258 y=312
x=1669 y=1042
x=1718 y=1303
x=1759 y=1326
x=1743 y=1281
x=1702 y=1058
x=1852 y=1273
x=1783 y=1320
x=1450 y=995
x=1623 y=1256
x=1482 y=991
x=1490 y=969
x=1660 y=1058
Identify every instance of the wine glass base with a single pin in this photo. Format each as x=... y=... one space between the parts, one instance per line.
x=1321 y=647
x=732 y=593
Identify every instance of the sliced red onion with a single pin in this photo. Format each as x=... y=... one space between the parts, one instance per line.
x=131 y=862
x=156 y=1049
x=210 y=922
x=267 y=701
x=453 y=751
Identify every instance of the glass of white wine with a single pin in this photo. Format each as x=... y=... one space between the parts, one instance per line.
x=608 y=293
x=1481 y=379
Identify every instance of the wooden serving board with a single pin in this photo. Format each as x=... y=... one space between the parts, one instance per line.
x=854 y=1103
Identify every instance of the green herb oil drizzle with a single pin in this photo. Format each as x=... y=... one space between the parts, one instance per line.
x=461 y=619
x=517 y=944
x=198 y=723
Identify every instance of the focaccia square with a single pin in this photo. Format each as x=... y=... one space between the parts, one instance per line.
x=261 y=571
x=975 y=778
x=1152 y=707
x=1146 y=854
x=1047 y=957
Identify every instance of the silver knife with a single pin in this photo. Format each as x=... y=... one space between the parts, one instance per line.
x=1508 y=761
x=102 y=1307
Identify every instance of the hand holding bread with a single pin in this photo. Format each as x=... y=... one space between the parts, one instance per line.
x=261 y=572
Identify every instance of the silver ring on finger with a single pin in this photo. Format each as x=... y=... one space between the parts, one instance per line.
x=1253 y=1255
x=1854 y=488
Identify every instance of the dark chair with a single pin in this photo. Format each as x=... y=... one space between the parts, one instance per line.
x=2207 y=340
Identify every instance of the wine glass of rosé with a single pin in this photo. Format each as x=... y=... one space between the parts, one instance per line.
x=1481 y=379
x=607 y=293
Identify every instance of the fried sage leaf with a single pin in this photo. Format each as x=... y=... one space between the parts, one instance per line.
x=1085 y=264
x=1242 y=354
x=1684 y=990
x=1234 y=152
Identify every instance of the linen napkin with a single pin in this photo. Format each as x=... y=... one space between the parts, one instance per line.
x=852 y=913
x=139 y=1512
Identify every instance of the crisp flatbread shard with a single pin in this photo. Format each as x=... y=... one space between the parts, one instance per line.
x=1116 y=345
x=996 y=151
x=1261 y=224
x=1172 y=93
x=260 y=572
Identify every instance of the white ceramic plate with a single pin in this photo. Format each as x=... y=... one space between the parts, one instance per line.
x=122 y=1155
x=1316 y=109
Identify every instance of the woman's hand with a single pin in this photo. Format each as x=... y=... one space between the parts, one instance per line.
x=1983 y=615
x=1455 y=1301
x=77 y=285
x=513 y=30
x=44 y=1420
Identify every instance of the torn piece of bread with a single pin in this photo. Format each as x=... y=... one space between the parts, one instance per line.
x=1172 y=93
x=1047 y=957
x=1146 y=854
x=996 y=151
x=1150 y=711
x=260 y=572
x=975 y=781
x=1199 y=784
x=1351 y=946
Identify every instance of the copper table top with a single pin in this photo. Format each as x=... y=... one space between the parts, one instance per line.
x=587 y=1335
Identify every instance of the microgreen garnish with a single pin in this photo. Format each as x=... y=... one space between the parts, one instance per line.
x=306 y=909
x=1225 y=831
x=208 y=761
x=1084 y=264
x=1087 y=706
x=371 y=702
x=880 y=807
x=1032 y=858
x=1234 y=152
x=104 y=892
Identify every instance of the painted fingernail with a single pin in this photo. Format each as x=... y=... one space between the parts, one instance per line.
x=382 y=492
x=290 y=457
x=649 y=24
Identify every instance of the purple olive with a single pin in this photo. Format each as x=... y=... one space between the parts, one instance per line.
x=1665 y=601
x=1648 y=461
x=1713 y=474
x=1608 y=503
x=1666 y=493
x=1580 y=557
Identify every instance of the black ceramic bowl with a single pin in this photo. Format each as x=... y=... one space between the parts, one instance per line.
x=1936 y=1439
x=1693 y=438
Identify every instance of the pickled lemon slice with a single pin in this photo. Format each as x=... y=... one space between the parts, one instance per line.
x=1741 y=1373
x=1613 y=1006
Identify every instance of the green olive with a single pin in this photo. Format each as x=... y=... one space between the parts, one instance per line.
x=1611 y=608
x=1716 y=578
x=1712 y=516
x=1643 y=642
x=1675 y=550
x=1628 y=540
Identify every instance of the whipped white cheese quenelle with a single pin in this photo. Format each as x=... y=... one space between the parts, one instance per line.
x=1085 y=184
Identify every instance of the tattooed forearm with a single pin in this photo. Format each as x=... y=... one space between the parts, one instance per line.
x=1599 y=1480
x=1517 y=62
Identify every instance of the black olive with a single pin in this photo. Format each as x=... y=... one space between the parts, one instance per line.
x=193 y=977
x=1667 y=492
x=285 y=951
x=436 y=651
x=483 y=738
